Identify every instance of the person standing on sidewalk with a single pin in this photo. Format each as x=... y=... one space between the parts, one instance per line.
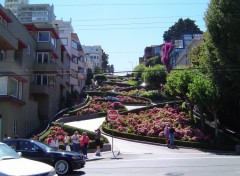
x=98 y=141
x=66 y=141
x=166 y=134
x=84 y=140
x=75 y=141
x=171 y=136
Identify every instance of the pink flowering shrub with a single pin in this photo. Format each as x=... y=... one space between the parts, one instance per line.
x=57 y=131
x=124 y=98
x=152 y=122
x=99 y=106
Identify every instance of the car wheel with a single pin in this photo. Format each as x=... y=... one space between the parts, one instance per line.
x=62 y=167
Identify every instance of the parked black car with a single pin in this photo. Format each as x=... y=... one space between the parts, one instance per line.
x=62 y=161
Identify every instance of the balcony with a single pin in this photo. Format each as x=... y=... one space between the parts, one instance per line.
x=41 y=89
x=7 y=40
x=47 y=67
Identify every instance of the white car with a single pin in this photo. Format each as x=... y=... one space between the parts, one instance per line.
x=11 y=163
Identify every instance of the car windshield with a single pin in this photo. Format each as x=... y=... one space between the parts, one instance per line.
x=43 y=146
x=7 y=152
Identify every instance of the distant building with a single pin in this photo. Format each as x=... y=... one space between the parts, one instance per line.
x=183 y=58
x=180 y=46
x=33 y=13
x=149 y=52
x=77 y=57
x=14 y=4
x=94 y=56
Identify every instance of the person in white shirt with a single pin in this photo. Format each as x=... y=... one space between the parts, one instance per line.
x=75 y=140
x=54 y=142
x=66 y=140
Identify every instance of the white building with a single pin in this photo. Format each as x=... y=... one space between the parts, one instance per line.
x=77 y=59
x=13 y=5
x=94 y=56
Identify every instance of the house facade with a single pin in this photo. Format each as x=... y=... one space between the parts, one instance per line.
x=34 y=74
x=77 y=57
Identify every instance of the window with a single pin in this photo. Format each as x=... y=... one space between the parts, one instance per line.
x=43 y=36
x=3 y=85
x=53 y=41
x=2 y=55
x=64 y=41
x=41 y=80
x=74 y=59
x=74 y=44
x=20 y=94
x=28 y=50
x=45 y=80
x=42 y=57
x=13 y=87
x=15 y=127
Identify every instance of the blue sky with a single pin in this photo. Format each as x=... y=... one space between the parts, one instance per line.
x=125 y=27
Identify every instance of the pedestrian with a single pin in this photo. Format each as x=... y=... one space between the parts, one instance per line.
x=75 y=141
x=54 y=142
x=6 y=137
x=66 y=141
x=171 y=136
x=84 y=140
x=98 y=141
x=166 y=134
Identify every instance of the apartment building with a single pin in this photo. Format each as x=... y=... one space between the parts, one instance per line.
x=151 y=51
x=76 y=55
x=33 y=13
x=183 y=58
x=34 y=71
x=14 y=4
x=94 y=56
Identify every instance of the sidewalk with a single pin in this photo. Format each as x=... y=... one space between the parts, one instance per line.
x=104 y=155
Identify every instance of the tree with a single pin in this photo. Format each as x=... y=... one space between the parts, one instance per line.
x=223 y=44
x=105 y=65
x=110 y=68
x=97 y=70
x=89 y=77
x=155 y=76
x=138 y=70
x=179 y=28
x=153 y=61
x=204 y=93
x=100 y=78
x=177 y=85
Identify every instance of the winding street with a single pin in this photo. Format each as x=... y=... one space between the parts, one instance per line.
x=145 y=159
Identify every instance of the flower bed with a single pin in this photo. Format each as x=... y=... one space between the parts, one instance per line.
x=99 y=106
x=152 y=122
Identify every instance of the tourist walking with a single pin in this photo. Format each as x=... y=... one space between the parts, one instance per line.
x=75 y=141
x=84 y=140
x=98 y=141
x=171 y=136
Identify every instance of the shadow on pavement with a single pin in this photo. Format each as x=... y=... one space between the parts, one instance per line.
x=76 y=173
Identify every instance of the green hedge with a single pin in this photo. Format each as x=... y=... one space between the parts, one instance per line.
x=200 y=145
